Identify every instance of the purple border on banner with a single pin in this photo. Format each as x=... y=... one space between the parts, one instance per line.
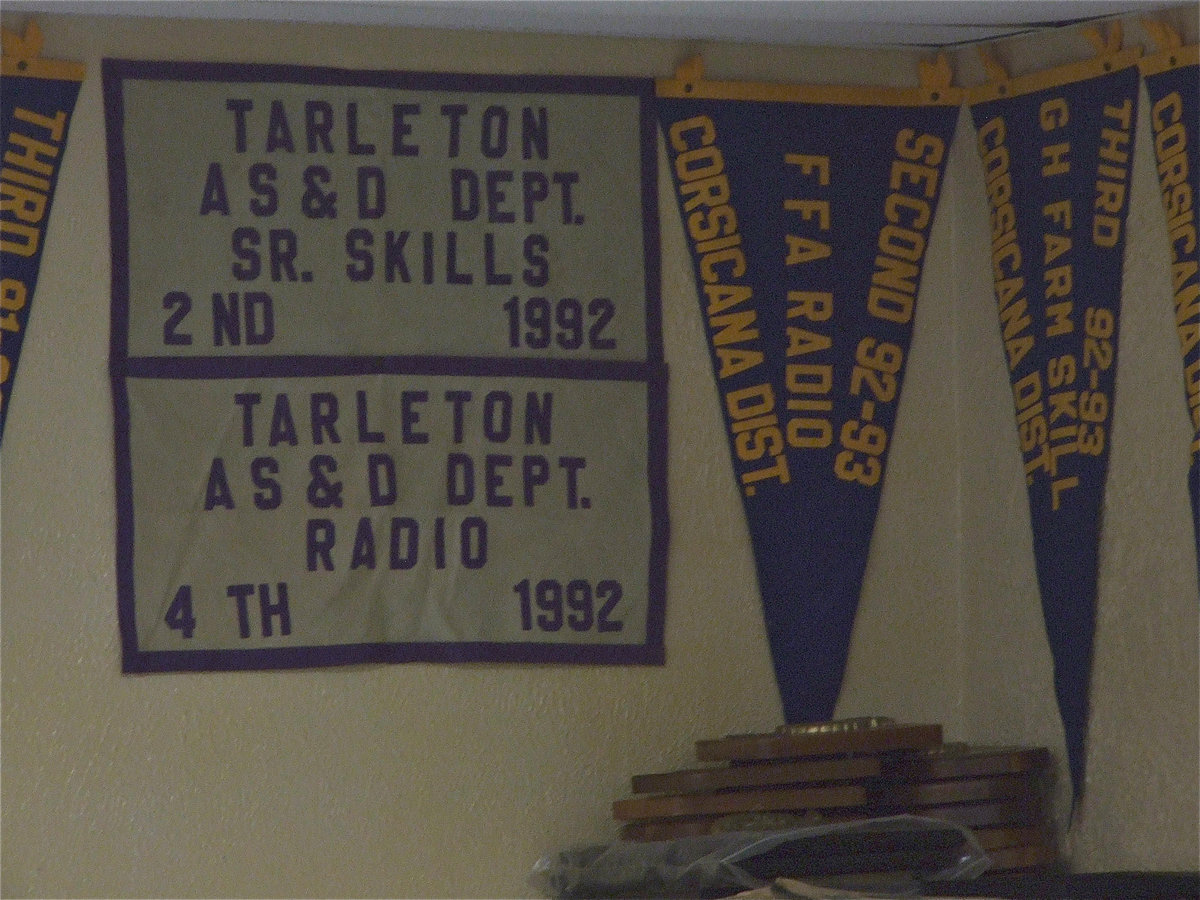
x=651 y=371
x=285 y=366
x=115 y=71
x=358 y=654
x=650 y=652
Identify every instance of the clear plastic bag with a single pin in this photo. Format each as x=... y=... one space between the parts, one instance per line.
x=718 y=865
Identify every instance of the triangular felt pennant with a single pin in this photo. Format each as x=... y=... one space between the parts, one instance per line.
x=37 y=97
x=807 y=211
x=1057 y=151
x=1171 y=77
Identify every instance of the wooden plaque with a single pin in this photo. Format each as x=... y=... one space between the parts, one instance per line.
x=1025 y=857
x=791 y=745
x=999 y=838
x=1027 y=811
x=667 y=829
x=963 y=790
x=758 y=775
x=849 y=771
x=725 y=803
x=958 y=761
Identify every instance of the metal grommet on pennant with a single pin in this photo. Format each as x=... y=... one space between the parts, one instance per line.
x=1106 y=45
x=21 y=49
x=997 y=75
x=690 y=72
x=936 y=77
x=996 y=72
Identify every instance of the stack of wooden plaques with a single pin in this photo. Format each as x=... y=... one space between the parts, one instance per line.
x=851 y=771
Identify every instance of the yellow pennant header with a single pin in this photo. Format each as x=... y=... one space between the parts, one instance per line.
x=1109 y=58
x=20 y=57
x=1171 y=55
x=935 y=89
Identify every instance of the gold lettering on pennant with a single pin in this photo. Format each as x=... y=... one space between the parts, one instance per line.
x=1058 y=274
x=1112 y=174
x=712 y=227
x=808 y=383
x=913 y=181
x=30 y=156
x=1006 y=252
x=1171 y=159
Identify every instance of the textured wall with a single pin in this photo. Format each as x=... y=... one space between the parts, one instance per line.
x=424 y=780
x=1142 y=802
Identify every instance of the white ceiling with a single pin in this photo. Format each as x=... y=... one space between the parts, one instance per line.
x=828 y=22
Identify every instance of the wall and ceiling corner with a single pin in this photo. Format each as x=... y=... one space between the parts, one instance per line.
x=424 y=780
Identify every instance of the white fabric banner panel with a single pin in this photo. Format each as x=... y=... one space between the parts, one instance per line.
x=387 y=367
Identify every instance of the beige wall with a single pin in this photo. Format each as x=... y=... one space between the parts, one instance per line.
x=428 y=780
x=1141 y=804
